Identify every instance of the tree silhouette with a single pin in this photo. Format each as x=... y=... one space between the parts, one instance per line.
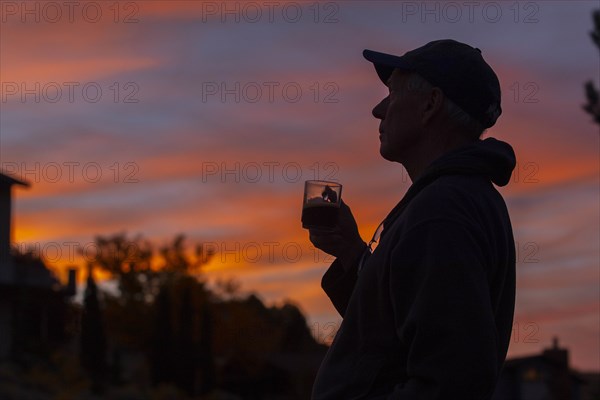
x=185 y=346
x=593 y=97
x=93 y=339
x=161 y=351
x=129 y=261
x=165 y=310
x=205 y=349
x=140 y=276
x=228 y=288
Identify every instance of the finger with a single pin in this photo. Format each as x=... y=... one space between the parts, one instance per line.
x=344 y=205
x=320 y=241
x=324 y=231
x=330 y=237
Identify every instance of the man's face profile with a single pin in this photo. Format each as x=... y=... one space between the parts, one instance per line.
x=399 y=113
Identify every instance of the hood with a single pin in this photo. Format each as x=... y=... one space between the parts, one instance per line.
x=490 y=157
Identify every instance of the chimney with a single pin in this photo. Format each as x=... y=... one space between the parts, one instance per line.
x=559 y=380
x=6 y=183
x=560 y=357
x=71 y=288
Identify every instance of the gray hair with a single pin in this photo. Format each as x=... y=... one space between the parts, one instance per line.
x=470 y=126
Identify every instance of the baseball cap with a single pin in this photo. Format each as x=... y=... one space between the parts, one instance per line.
x=458 y=69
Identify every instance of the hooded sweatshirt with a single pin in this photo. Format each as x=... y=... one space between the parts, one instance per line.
x=429 y=315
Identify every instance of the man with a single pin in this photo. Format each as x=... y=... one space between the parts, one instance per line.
x=428 y=314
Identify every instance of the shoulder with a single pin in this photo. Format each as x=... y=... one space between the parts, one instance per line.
x=454 y=205
x=449 y=198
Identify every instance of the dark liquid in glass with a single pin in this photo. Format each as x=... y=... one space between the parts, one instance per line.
x=319 y=216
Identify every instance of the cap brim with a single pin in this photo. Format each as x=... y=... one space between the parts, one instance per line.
x=385 y=63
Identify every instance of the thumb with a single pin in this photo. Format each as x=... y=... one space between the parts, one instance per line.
x=343 y=205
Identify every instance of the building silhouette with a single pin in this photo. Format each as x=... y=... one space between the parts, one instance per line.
x=32 y=301
x=545 y=376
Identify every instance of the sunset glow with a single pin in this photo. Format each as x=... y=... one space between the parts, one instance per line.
x=184 y=120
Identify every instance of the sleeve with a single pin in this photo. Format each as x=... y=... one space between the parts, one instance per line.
x=339 y=284
x=443 y=314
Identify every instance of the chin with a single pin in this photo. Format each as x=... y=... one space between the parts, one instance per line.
x=385 y=153
x=388 y=154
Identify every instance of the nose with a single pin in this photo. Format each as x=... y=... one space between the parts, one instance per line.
x=380 y=109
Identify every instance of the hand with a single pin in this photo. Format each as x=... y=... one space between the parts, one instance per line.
x=344 y=241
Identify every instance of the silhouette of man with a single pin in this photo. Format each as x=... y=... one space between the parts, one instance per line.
x=428 y=314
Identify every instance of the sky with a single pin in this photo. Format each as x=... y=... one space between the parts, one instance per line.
x=159 y=118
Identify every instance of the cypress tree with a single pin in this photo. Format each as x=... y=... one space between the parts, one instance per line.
x=161 y=357
x=186 y=349
x=93 y=336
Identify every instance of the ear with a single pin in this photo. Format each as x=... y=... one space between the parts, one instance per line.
x=432 y=105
